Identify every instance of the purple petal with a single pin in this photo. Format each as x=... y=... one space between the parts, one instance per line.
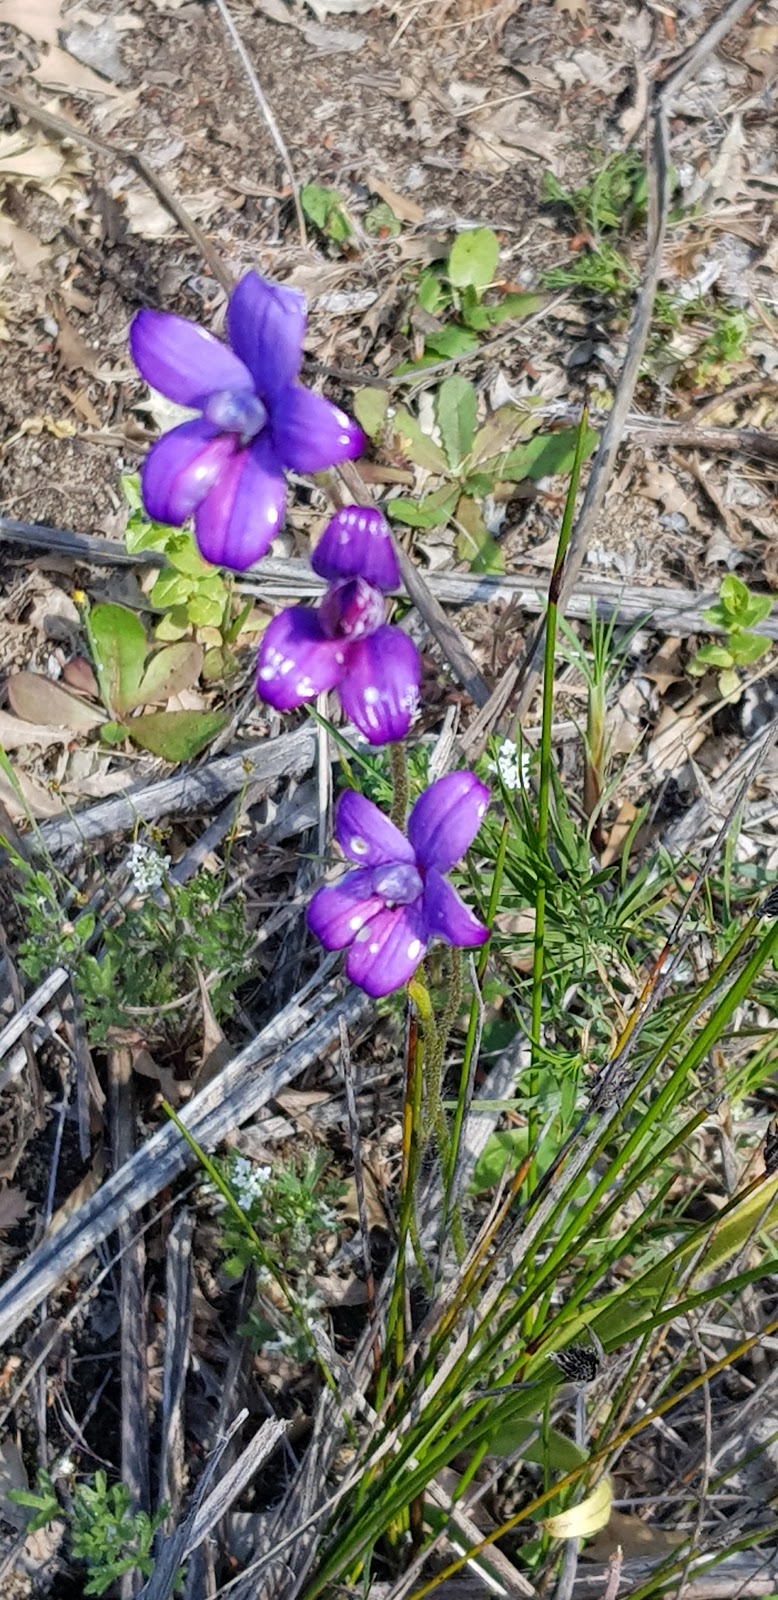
x=366 y=835
x=182 y=360
x=447 y=917
x=266 y=324
x=446 y=819
x=339 y=910
x=351 y=609
x=387 y=951
x=241 y=516
x=357 y=543
x=296 y=659
x=182 y=468
x=380 y=690
x=310 y=434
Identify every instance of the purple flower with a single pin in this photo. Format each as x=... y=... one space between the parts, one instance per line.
x=257 y=422
x=394 y=905
x=346 y=644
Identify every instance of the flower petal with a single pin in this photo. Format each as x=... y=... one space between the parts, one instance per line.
x=447 y=917
x=266 y=324
x=310 y=434
x=380 y=690
x=387 y=951
x=340 y=910
x=241 y=516
x=357 y=543
x=366 y=835
x=296 y=659
x=182 y=468
x=446 y=819
x=183 y=361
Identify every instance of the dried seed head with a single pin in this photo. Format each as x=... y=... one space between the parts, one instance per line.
x=770 y=907
x=578 y=1362
x=770 y=1151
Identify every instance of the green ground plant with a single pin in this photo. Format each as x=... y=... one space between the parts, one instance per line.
x=737 y=613
x=104 y=1534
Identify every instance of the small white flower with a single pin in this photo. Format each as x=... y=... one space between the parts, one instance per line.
x=147 y=867
x=247 y=1181
x=513 y=769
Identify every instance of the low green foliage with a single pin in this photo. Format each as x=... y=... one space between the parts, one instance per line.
x=325 y=209
x=145 y=974
x=105 y=1534
x=453 y=292
x=737 y=612
x=131 y=674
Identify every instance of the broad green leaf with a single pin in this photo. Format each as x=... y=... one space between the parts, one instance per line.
x=431 y=512
x=746 y=648
x=142 y=535
x=546 y=455
x=474 y=542
x=171 y=589
x=473 y=314
x=729 y=685
x=759 y=606
x=176 y=735
x=118 y=643
x=586 y=1518
x=711 y=655
x=734 y=596
x=113 y=733
x=451 y=342
x=324 y=208
x=204 y=612
x=562 y=1454
x=172 y=625
x=503 y=428
x=381 y=221
x=169 y=672
x=369 y=406
x=455 y=412
x=184 y=556
x=417 y=445
x=473 y=258
x=433 y=292
x=515 y=307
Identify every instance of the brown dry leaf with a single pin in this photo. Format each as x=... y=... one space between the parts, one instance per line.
x=406 y=210
x=143 y=1063
x=659 y=483
x=678 y=734
x=79 y=675
x=39 y=699
x=764 y=37
x=217 y=1050
x=335 y=1291
x=666 y=666
x=575 y=7
x=15 y=733
x=25 y=798
x=28 y=251
x=637 y=1539
x=374 y=1210
x=39 y=19
x=13 y=1207
x=618 y=833
x=73 y=352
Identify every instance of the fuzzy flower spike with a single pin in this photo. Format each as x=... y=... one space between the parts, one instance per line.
x=256 y=421
x=345 y=644
x=388 y=912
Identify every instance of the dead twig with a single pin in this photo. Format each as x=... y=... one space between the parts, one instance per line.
x=62 y=128
x=267 y=112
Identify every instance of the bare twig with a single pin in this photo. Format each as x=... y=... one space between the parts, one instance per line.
x=67 y=129
x=267 y=112
x=178 y=1336
x=132 y=1323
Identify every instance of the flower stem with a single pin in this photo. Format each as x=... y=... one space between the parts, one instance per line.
x=399 y=763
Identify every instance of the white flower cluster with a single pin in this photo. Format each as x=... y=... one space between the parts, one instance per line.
x=147 y=867
x=247 y=1181
x=512 y=767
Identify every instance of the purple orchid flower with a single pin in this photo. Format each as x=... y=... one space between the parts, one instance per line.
x=398 y=901
x=227 y=465
x=345 y=643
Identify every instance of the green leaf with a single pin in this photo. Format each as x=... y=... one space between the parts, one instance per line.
x=381 y=220
x=176 y=735
x=547 y=455
x=759 y=607
x=734 y=597
x=204 y=612
x=473 y=314
x=183 y=554
x=141 y=534
x=515 y=307
x=431 y=512
x=113 y=733
x=118 y=643
x=504 y=1151
x=746 y=648
x=416 y=445
x=171 y=589
x=369 y=406
x=169 y=672
x=433 y=292
x=324 y=208
x=451 y=342
x=711 y=655
x=474 y=542
x=172 y=625
x=473 y=258
x=455 y=412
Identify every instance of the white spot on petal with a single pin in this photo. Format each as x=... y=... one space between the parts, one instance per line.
x=356 y=923
x=480 y=808
x=272 y=515
x=373 y=948
x=371 y=695
x=358 y=847
x=414 y=949
x=364 y=933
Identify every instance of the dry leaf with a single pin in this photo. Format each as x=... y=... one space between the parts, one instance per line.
x=406 y=210
x=39 y=699
x=13 y=1207
x=73 y=351
x=576 y=7
x=374 y=1210
x=678 y=734
x=217 y=1050
x=25 y=798
x=29 y=252
x=145 y=215
x=618 y=833
x=78 y=1197
x=15 y=733
x=143 y=1063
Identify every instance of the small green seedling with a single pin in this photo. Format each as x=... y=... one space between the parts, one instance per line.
x=325 y=209
x=105 y=1534
x=192 y=595
x=458 y=284
x=737 y=611
x=131 y=675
